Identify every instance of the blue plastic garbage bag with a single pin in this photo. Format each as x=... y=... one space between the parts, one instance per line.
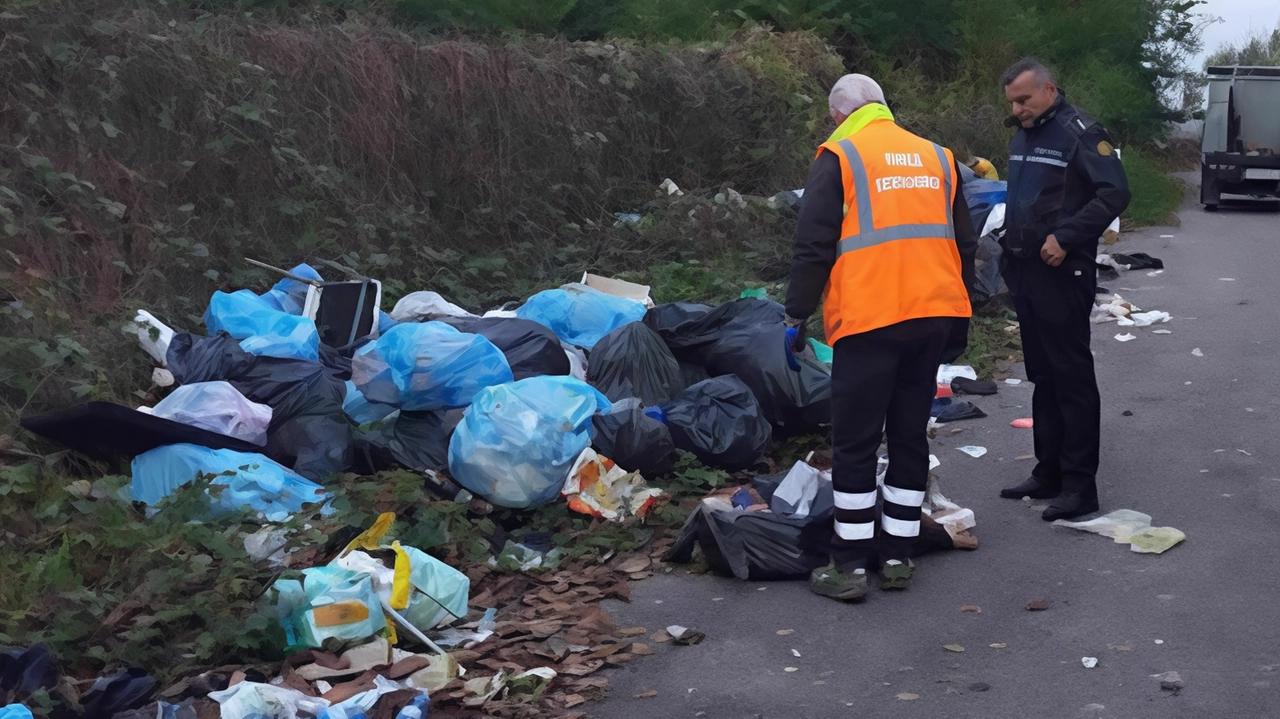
x=580 y=315
x=264 y=330
x=517 y=441
x=248 y=480
x=385 y=323
x=15 y=711
x=428 y=365
x=290 y=295
x=362 y=411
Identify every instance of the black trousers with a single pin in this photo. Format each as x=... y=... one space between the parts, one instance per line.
x=1053 y=305
x=882 y=383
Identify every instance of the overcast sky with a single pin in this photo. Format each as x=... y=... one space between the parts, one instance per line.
x=1239 y=19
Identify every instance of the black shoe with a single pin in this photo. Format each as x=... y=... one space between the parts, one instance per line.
x=1034 y=488
x=1071 y=505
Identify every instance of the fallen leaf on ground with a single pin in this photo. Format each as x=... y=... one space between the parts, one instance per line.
x=906 y=696
x=1024 y=457
x=953 y=647
x=634 y=565
x=999 y=645
x=661 y=636
x=785 y=632
x=642 y=650
x=1037 y=605
x=795 y=653
x=791 y=669
x=647 y=694
x=971 y=608
x=632 y=632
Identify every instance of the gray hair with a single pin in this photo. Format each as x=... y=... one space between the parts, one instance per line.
x=852 y=92
x=1025 y=65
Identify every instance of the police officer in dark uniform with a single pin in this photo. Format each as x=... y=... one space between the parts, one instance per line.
x=1066 y=184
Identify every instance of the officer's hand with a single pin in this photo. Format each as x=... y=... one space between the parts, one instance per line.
x=1052 y=253
x=797 y=339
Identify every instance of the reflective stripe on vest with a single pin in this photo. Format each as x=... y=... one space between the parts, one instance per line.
x=867 y=235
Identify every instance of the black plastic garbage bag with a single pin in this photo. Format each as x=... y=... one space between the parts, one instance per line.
x=759 y=546
x=633 y=440
x=720 y=421
x=414 y=440
x=26 y=671
x=691 y=330
x=957 y=411
x=632 y=361
x=117 y=693
x=309 y=431
x=691 y=374
x=531 y=349
x=793 y=402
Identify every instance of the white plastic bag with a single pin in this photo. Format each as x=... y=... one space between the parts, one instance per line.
x=421 y=306
x=217 y=407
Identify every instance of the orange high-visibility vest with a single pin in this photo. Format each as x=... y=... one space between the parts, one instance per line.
x=897 y=258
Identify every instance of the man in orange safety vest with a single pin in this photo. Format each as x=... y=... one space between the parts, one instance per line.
x=885 y=235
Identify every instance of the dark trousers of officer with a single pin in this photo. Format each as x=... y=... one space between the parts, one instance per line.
x=1053 y=305
x=882 y=383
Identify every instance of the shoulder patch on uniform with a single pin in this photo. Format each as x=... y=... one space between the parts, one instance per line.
x=1105 y=148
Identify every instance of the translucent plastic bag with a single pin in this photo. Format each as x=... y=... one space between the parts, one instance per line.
x=580 y=315
x=217 y=407
x=329 y=603
x=249 y=480
x=427 y=366
x=263 y=330
x=436 y=591
x=422 y=306
x=360 y=410
x=289 y=295
x=517 y=441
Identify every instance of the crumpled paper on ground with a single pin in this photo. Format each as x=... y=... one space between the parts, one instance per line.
x=600 y=488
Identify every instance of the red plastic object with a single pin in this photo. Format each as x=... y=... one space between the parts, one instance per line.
x=1021 y=423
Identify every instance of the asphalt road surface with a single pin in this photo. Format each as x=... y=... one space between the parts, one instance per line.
x=1198 y=453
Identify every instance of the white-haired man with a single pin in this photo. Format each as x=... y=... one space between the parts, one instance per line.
x=885 y=235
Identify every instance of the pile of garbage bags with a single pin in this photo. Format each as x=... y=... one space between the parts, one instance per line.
x=504 y=403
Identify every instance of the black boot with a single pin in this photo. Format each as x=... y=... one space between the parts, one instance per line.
x=1070 y=505
x=1034 y=488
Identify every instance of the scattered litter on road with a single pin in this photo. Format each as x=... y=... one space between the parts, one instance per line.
x=971 y=609
x=1013 y=381
x=790 y=670
x=1089 y=662
x=1161 y=332
x=1166 y=237
x=1037 y=605
x=998 y=645
x=1159 y=641
x=1023 y=423
x=953 y=648
x=1156 y=540
x=908 y=696
x=795 y=653
x=785 y=632
x=1196 y=352
x=973 y=451
x=1125 y=337
x=1126 y=526
x=1169 y=681
x=1227 y=279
